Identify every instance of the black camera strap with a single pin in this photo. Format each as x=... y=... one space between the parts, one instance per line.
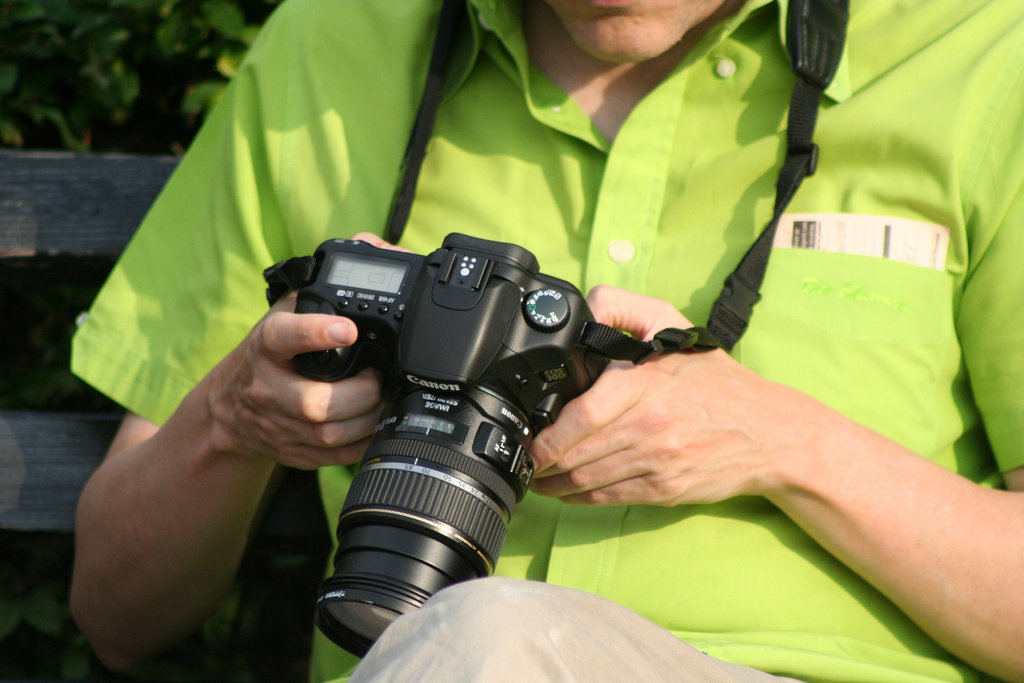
x=613 y=343
x=816 y=31
x=452 y=12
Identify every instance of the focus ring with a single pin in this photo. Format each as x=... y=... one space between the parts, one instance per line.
x=484 y=473
x=432 y=498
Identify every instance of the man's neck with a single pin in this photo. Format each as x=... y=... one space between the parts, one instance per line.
x=606 y=91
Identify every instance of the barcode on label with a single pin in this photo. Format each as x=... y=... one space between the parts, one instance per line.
x=896 y=239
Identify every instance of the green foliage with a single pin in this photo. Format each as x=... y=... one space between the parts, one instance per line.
x=37 y=636
x=259 y=634
x=36 y=374
x=126 y=75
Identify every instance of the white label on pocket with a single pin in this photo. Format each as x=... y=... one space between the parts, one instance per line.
x=897 y=239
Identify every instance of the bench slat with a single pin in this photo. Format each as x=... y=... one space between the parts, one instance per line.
x=45 y=459
x=56 y=206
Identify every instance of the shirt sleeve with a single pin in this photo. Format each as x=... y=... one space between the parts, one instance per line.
x=990 y=317
x=188 y=287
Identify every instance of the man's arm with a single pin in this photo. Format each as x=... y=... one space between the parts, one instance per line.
x=163 y=522
x=944 y=549
x=700 y=428
x=159 y=537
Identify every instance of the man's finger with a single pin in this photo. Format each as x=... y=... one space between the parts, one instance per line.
x=285 y=335
x=377 y=241
x=639 y=315
x=583 y=416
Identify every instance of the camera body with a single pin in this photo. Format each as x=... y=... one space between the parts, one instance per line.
x=477 y=351
x=472 y=313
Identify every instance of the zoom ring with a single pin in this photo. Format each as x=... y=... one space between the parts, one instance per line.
x=482 y=472
x=424 y=496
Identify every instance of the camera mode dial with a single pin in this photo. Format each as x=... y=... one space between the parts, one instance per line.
x=546 y=309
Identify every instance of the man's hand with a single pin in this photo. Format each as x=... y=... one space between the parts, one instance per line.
x=681 y=428
x=262 y=407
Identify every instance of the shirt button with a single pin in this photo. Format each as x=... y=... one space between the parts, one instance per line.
x=621 y=251
x=725 y=68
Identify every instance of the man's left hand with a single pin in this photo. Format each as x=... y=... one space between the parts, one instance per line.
x=681 y=428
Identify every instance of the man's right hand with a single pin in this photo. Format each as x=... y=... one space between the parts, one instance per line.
x=262 y=407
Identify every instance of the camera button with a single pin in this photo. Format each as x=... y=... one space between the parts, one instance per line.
x=382 y=309
x=363 y=305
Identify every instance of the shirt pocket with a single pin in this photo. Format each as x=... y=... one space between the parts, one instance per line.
x=872 y=337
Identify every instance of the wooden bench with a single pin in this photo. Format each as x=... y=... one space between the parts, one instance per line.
x=65 y=217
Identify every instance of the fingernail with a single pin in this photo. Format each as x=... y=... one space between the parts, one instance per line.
x=340 y=333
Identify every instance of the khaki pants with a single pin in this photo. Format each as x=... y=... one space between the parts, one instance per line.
x=505 y=630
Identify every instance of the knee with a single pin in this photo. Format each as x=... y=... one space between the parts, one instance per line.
x=490 y=612
x=476 y=630
x=497 y=604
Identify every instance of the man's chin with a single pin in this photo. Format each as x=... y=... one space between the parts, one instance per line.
x=621 y=46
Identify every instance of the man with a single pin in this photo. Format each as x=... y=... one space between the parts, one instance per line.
x=825 y=503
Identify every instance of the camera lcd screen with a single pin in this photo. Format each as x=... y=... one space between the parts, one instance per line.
x=367 y=272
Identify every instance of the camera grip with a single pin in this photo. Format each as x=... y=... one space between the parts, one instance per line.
x=328 y=365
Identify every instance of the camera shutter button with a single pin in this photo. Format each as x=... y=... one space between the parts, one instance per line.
x=546 y=309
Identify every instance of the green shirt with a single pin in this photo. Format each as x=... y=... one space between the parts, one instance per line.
x=892 y=294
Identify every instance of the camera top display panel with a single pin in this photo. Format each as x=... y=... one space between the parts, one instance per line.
x=368 y=273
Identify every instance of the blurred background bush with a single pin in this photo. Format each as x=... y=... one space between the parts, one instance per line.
x=131 y=76
x=117 y=75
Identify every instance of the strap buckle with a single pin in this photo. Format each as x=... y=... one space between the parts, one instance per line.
x=738 y=295
x=810 y=153
x=674 y=340
x=732 y=311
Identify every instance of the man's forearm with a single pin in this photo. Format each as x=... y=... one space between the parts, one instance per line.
x=950 y=553
x=161 y=529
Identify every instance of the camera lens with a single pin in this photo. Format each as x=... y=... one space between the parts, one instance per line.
x=429 y=507
x=381 y=572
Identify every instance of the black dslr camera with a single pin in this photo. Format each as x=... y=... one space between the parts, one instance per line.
x=477 y=351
